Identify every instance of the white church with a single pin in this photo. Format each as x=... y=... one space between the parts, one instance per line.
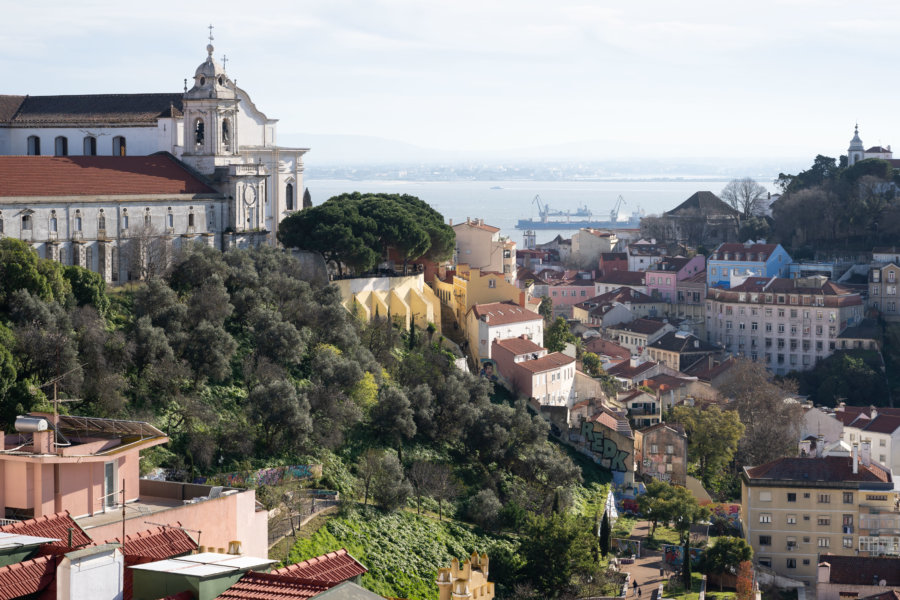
x=117 y=182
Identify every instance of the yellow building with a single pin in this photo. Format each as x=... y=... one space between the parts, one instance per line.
x=402 y=298
x=467 y=581
x=467 y=286
x=796 y=509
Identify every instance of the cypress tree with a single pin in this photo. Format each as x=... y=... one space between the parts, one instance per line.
x=604 y=535
x=686 y=567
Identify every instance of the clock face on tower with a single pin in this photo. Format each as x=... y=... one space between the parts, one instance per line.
x=249 y=195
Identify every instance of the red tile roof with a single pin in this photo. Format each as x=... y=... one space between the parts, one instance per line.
x=883 y=424
x=27 y=577
x=547 y=363
x=503 y=313
x=158 y=544
x=477 y=224
x=623 y=278
x=825 y=468
x=335 y=566
x=640 y=326
x=599 y=346
x=186 y=595
x=738 y=251
x=862 y=570
x=159 y=173
x=271 y=586
x=52 y=526
x=626 y=371
x=519 y=345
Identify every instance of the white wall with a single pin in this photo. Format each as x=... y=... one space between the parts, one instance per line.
x=96 y=576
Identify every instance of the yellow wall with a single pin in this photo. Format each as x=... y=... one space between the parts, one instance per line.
x=470 y=287
x=402 y=298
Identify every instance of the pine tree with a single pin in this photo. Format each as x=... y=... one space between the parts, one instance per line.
x=604 y=535
x=307 y=199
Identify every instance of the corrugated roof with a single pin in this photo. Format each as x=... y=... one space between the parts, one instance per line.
x=52 y=526
x=35 y=176
x=27 y=577
x=335 y=566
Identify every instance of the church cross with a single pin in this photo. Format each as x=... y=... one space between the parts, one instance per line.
x=210 y=32
x=224 y=61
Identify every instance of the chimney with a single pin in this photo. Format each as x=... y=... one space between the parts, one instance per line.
x=865 y=453
x=41 y=442
x=824 y=572
x=820 y=445
x=451 y=222
x=854 y=457
x=873 y=412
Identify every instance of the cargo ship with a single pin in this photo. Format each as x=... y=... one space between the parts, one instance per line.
x=578 y=219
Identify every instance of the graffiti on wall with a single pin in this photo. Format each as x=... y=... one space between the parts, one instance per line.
x=674 y=555
x=625 y=546
x=729 y=512
x=605 y=449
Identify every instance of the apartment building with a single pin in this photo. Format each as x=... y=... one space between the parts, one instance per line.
x=639 y=333
x=731 y=261
x=796 y=509
x=480 y=246
x=663 y=276
x=883 y=297
x=788 y=324
x=500 y=320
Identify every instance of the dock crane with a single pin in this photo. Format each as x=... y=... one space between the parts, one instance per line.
x=614 y=213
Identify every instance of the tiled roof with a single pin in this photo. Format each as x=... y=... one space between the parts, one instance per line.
x=519 y=345
x=824 y=468
x=665 y=382
x=623 y=278
x=883 y=424
x=599 y=346
x=159 y=173
x=641 y=326
x=9 y=106
x=612 y=420
x=621 y=295
x=478 y=225
x=702 y=371
x=888 y=595
x=676 y=427
x=626 y=371
x=862 y=570
x=335 y=566
x=92 y=109
x=706 y=203
x=159 y=543
x=52 y=526
x=878 y=149
x=186 y=595
x=272 y=586
x=749 y=252
x=670 y=264
x=504 y=313
x=27 y=577
x=547 y=363
x=615 y=256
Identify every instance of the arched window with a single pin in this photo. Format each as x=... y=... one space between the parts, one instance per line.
x=191 y=220
x=26 y=222
x=90 y=146
x=54 y=224
x=61 y=146
x=77 y=220
x=124 y=218
x=289 y=196
x=198 y=132
x=34 y=145
x=226 y=131
x=147 y=217
x=101 y=221
x=118 y=146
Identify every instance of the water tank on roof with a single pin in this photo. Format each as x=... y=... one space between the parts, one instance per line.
x=31 y=424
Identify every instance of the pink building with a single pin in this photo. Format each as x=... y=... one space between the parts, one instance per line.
x=612 y=261
x=533 y=373
x=663 y=276
x=88 y=466
x=568 y=292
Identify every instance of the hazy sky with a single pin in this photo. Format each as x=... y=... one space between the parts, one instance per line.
x=689 y=78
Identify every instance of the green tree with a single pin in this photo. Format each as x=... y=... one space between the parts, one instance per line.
x=87 y=288
x=546 y=309
x=558 y=335
x=604 y=535
x=654 y=503
x=685 y=511
x=555 y=548
x=21 y=269
x=726 y=555
x=484 y=509
x=393 y=418
x=591 y=364
x=390 y=488
x=713 y=436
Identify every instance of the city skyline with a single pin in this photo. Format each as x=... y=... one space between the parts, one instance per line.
x=498 y=79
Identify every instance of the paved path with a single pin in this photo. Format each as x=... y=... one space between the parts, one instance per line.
x=645 y=570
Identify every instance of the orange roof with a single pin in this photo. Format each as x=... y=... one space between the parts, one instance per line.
x=271 y=586
x=479 y=225
x=335 y=566
x=27 y=577
x=547 y=363
x=158 y=544
x=52 y=526
x=519 y=345
x=96 y=176
x=503 y=313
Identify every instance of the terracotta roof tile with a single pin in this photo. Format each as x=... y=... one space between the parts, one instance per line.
x=519 y=345
x=158 y=544
x=862 y=570
x=623 y=278
x=599 y=346
x=186 y=595
x=883 y=424
x=27 y=577
x=503 y=313
x=640 y=326
x=825 y=468
x=547 y=363
x=52 y=526
x=706 y=203
x=626 y=371
x=271 y=586
x=159 y=173
x=335 y=566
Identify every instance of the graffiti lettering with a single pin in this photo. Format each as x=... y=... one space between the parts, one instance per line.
x=606 y=447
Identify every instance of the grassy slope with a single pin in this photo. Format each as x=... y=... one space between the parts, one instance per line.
x=401 y=550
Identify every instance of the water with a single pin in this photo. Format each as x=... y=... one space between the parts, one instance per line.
x=504 y=207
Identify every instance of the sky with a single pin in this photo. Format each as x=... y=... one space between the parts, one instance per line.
x=612 y=79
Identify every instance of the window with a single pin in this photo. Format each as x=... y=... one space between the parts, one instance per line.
x=226 y=133
x=848 y=497
x=824 y=498
x=34 y=145
x=791 y=497
x=765 y=496
x=77 y=222
x=823 y=520
x=765 y=540
x=765 y=561
x=670 y=449
x=53 y=224
x=101 y=221
x=124 y=221
x=654 y=449
x=190 y=219
x=754 y=326
x=289 y=196
x=791 y=563
x=823 y=542
x=170 y=220
x=792 y=519
x=198 y=132
x=847 y=542
x=119 y=146
x=26 y=222
x=765 y=518
x=89 y=146
x=61 y=146
x=492 y=283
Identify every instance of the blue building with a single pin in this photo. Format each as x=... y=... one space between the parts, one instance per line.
x=742 y=260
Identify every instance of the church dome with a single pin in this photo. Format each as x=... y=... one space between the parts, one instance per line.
x=210 y=79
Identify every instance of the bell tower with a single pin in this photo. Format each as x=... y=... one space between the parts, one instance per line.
x=210 y=117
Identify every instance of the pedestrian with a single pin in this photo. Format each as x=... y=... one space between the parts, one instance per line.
x=639 y=592
x=634 y=585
